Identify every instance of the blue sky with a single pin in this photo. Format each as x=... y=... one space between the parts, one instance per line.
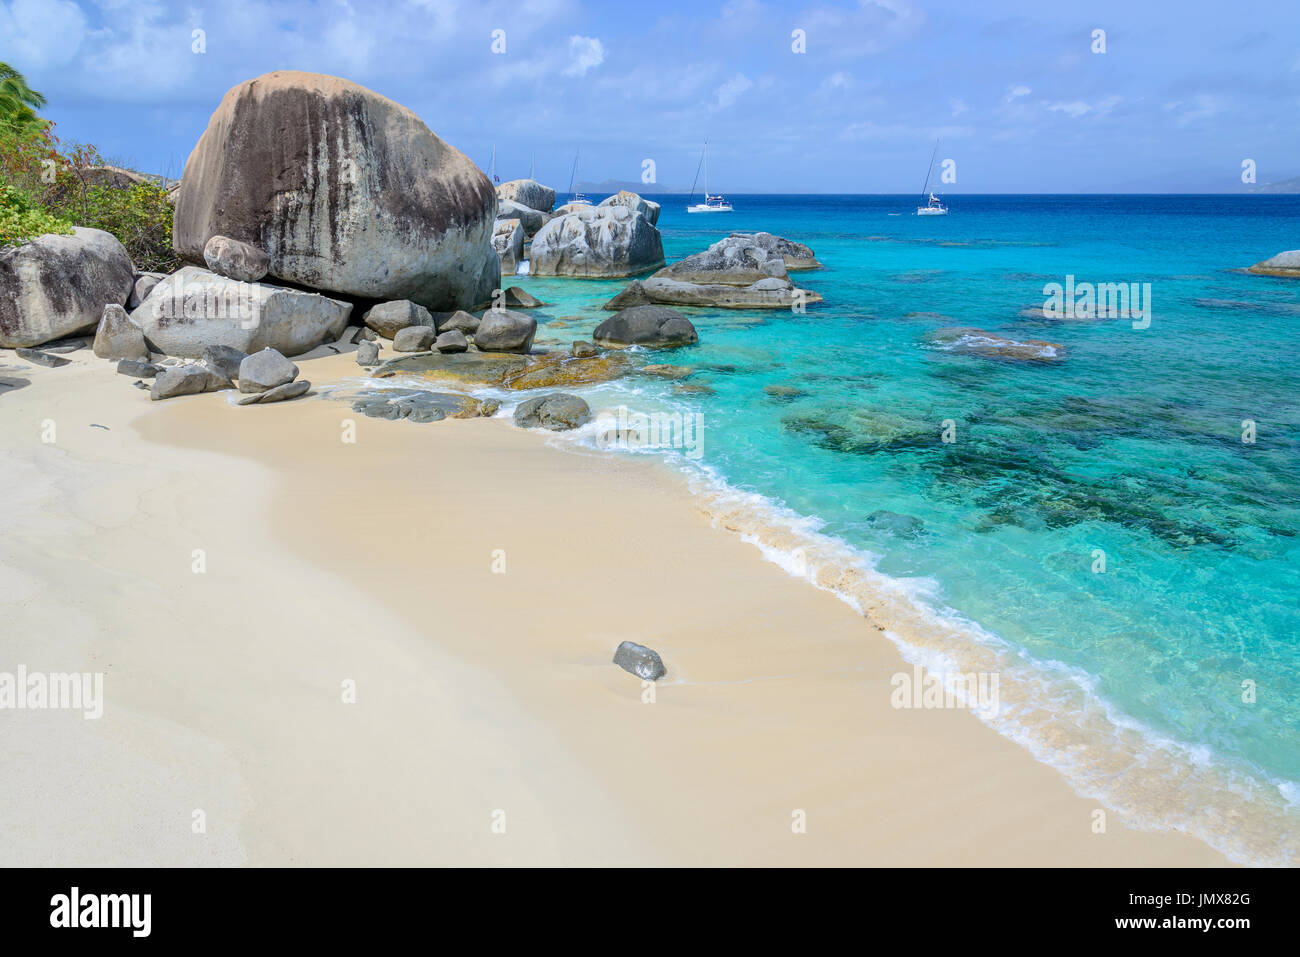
x=1183 y=94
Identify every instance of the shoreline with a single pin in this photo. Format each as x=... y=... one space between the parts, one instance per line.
x=479 y=692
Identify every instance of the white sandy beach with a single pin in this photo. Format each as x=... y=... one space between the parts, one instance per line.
x=476 y=692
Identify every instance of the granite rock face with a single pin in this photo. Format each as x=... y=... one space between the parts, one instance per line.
x=57 y=286
x=596 y=242
x=345 y=190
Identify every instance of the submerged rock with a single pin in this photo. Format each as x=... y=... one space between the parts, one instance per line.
x=556 y=369
x=667 y=371
x=639 y=660
x=56 y=286
x=558 y=412
x=650 y=326
x=966 y=340
x=345 y=190
x=583 y=350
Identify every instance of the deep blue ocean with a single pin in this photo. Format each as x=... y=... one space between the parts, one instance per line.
x=1098 y=531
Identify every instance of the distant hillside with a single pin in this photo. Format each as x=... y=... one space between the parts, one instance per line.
x=1291 y=185
x=635 y=186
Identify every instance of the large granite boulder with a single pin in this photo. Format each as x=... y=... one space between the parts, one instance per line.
x=504 y=331
x=796 y=255
x=193 y=309
x=265 y=370
x=597 y=242
x=344 y=189
x=527 y=192
x=389 y=318
x=734 y=261
x=558 y=412
x=1285 y=265
x=651 y=326
x=57 y=286
x=508 y=241
x=647 y=208
x=532 y=220
x=235 y=260
x=118 y=337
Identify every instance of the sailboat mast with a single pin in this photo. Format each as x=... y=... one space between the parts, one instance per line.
x=706 y=171
x=573 y=175
x=928 y=170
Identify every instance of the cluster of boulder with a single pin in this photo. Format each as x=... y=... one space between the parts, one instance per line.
x=743 y=271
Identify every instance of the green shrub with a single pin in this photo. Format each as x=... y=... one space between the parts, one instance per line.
x=21 y=219
x=139 y=216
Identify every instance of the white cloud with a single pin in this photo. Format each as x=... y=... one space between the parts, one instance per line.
x=839 y=80
x=731 y=90
x=958 y=106
x=1016 y=92
x=35 y=34
x=585 y=53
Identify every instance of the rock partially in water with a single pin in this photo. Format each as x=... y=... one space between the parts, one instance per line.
x=581 y=349
x=558 y=412
x=666 y=371
x=596 y=242
x=650 y=326
x=634 y=202
x=639 y=660
x=1285 y=265
x=517 y=298
x=966 y=340
x=796 y=255
x=464 y=369
x=556 y=369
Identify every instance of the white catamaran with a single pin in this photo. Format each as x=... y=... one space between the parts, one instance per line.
x=933 y=207
x=712 y=203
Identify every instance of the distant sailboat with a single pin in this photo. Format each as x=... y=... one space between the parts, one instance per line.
x=576 y=199
x=933 y=207
x=711 y=204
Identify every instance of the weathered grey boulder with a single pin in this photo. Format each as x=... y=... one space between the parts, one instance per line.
x=235 y=260
x=417 y=405
x=344 y=189
x=647 y=208
x=1284 y=265
x=265 y=370
x=225 y=358
x=641 y=661
x=596 y=242
x=796 y=255
x=770 y=293
x=735 y=261
x=367 y=353
x=37 y=357
x=414 y=338
x=503 y=331
x=460 y=320
x=527 y=192
x=388 y=318
x=530 y=220
x=57 y=286
x=508 y=241
x=633 y=295
x=189 y=379
x=582 y=350
x=194 y=308
x=453 y=340
x=118 y=337
x=516 y=298
x=290 y=390
x=144 y=283
x=650 y=326
x=558 y=412
x=138 y=369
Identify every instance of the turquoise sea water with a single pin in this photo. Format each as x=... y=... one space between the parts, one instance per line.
x=1131 y=445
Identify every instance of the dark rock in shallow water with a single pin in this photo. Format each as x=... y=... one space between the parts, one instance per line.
x=558 y=412
x=557 y=370
x=582 y=350
x=633 y=295
x=516 y=298
x=902 y=526
x=141 y=370
x=651 y=326
x=965 y=340
x=641 y=661
x=41 y=358
x=465 y=368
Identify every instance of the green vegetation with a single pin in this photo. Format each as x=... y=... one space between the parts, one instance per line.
x=49 y=186
x=21 y=219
